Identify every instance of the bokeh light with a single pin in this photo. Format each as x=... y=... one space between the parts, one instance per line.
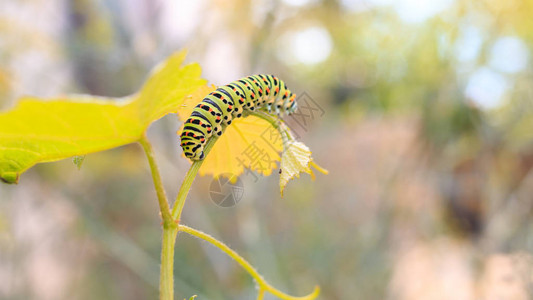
x=418 y=11
x=309 y=46
x=486 y=88
x=509 y=54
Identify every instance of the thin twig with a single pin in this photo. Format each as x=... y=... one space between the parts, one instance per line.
x=263 y=284
x=158 y=184
x=187 y=182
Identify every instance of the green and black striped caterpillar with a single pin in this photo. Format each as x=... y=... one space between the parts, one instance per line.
x=217 y=110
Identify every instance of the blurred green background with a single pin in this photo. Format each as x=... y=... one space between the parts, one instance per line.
x=427 y=131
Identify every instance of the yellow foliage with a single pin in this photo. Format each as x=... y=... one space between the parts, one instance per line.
x=295 y=160
x=39 y=131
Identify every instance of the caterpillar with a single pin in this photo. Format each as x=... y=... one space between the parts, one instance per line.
x=220 y=107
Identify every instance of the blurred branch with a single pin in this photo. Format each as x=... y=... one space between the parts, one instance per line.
x=122 y=248
x=262 y=35
x=514 y=215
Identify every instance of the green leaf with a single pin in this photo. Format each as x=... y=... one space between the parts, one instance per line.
x=78 y=160
x=37 y=131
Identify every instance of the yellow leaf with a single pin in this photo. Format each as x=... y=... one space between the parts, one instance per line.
x=250 y=143
x=167 y=86
x=40 y=131
x=185 y=110
x=296 y=159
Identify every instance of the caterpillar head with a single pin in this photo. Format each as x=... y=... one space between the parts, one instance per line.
x=291 y=106
x=192 y=148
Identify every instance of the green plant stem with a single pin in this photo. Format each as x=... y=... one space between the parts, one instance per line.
x=170 y=230
x=166 y=280
x=187 y=182
x=170 y=220
x=276 y=123
x=272 y=120
x=158 y=184
x=263 y=284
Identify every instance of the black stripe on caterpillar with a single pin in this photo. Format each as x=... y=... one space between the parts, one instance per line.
x=220 y=107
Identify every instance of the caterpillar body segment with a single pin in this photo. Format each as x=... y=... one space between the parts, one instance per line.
x=218 y=109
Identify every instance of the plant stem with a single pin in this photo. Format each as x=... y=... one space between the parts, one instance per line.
x=187 y=182
x=276 y=123
x=170 y=220
x=319 y=168
x=260 y=294
x=166 y=280
x=161 y=196
x=263 y=284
